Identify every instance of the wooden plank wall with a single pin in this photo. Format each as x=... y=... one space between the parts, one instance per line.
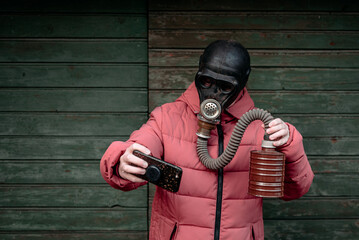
x=73 y=78
x=305 y=59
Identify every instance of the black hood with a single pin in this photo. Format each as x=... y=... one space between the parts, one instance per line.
x=225 y=61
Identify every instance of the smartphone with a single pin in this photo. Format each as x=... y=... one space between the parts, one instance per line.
x=160 y=173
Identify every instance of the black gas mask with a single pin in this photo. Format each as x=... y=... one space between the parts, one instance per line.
x=223 y=72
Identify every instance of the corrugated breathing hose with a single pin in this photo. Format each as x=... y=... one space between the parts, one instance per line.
x=235 y=140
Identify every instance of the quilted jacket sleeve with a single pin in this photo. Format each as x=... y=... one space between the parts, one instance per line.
x=148 y=135
x=298 y=173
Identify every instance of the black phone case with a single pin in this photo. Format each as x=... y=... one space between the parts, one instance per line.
x=170 y=175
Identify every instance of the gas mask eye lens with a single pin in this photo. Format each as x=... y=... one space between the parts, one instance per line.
x=206 y=82
x=225 y=87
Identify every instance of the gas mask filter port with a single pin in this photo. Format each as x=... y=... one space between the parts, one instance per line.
x=208 y=118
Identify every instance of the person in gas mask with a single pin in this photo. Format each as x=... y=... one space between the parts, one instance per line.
x=210 y=204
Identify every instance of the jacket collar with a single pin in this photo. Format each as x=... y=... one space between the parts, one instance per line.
x=243 y=103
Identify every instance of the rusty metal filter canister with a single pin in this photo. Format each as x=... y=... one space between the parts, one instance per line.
x=266 y=173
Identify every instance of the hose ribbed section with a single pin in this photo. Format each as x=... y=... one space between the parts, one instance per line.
x=234 y=141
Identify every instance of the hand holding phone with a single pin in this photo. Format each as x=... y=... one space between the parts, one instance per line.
x=160 y=173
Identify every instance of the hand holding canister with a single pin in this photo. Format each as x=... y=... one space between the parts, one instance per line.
x=267 y=166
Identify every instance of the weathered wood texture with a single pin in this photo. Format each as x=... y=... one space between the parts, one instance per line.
x=60 y=235
x=305 y=70
x=260 y=5
x=73 y=78
x=79 y=6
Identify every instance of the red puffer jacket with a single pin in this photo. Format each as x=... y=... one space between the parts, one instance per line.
x=170 y=134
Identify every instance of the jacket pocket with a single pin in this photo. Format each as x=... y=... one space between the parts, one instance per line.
x=169 y=230
x=257 y=231
x=174 y=231
x=253 y=234
x=162 y=228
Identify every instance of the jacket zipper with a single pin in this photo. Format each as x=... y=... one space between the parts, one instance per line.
x=217 y=225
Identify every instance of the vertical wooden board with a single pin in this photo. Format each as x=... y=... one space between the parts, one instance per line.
x=151 y=195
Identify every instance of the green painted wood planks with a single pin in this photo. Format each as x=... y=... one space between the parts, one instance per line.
x=73 y=79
